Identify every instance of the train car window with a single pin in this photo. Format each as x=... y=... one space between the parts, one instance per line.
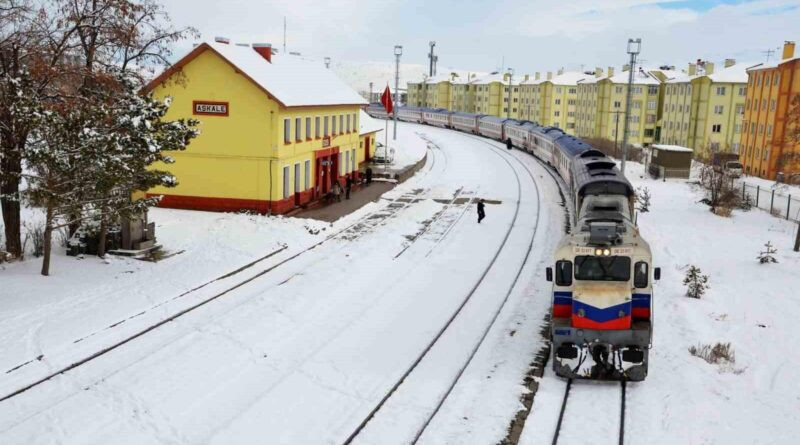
x=563 y=273
x=640 y=277
x=596 y=268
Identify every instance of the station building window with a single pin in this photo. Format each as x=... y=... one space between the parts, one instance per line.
x=298 y=135
x=326 y=127
x=308 y=128
x=287 y=131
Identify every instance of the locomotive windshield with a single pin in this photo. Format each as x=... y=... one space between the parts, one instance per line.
x=602 y=268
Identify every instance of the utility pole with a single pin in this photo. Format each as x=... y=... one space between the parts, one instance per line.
x=616 y=131
x=431 y=60
x=284 y=34
x=327 y=62
x=634 y=46
x=398 y=51
x=370 y=92
x=510 y=81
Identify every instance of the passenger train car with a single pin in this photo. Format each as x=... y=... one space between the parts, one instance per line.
x=602 y=272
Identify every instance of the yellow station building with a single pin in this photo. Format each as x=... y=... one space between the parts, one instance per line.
x=275 y=130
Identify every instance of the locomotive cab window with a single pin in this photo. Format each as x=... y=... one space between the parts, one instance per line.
x=640 y=277
x=596 y=268
x=563 y=273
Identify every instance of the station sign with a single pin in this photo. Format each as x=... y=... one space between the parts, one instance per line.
x=210 y=108
x=326 y=142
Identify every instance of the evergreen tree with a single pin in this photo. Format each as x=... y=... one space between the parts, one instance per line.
x=767 y=256
x=643 y=199
x=696 y=283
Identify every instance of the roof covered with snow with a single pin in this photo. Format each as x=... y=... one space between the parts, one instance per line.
x=291 y=80
x=367 y=124
x=496 y=77
x=676 y=148
x=736 y=73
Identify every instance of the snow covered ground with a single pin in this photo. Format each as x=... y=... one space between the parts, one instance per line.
x=301 y=353
x=753 y=307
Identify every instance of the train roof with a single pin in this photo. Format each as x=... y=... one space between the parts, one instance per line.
x=572 y=146
x=594 y=178
x=496 y=119
x=465 y=114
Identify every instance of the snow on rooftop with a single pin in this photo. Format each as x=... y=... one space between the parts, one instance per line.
x=676 y=148
x=292 y=80
x=736 y=73
x=367 y=124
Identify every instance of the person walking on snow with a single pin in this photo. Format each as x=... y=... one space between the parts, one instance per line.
x=348 y=184
x=509 y=144
x=481 y=211
x=337 y=190
x=369 y=176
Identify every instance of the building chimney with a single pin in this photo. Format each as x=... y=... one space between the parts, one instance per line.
x=224 y=40
x=246 y=45
x=537 y=76
x=561 y=71
x=626 y=67
x=788 y=50
x=549 y=75
x=264 y=49
x=692 y=69
x=709 y=68
x=598 y=72
x=527 y=76
x=611 y=71
x=730 y=62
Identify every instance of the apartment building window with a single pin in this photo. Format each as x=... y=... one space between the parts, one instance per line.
x=558 y=90
x=505 y=110
x=326 y=127
x=355 y=123
x=718 y=109
x=505 y=99
x=570 y=125
x=515 y=100
x=571 y=102
x=618 y=90
x=637 y=105
x=348 y=124
x=720 y=91
x=297 y=130
x=287 y=131
x=308 y=128
x=649 y=132
x=772 y=105
x=743 y=91
x=556 y=113
x=617 y=104
x=558 y=101
x=317 y=128
x=651 y=104
x=737 y=128
x=735 y=147
x=634 y=119
x=307 y=176
x=752 y=127
x=688 y=89
x=634 y=133
x=672 y=107
x=685 y=126
x=651 y=118
x=775 y=78
x=763 y=104
x=716 y=128
x=652 y=89
x=758 y=79
x=333 y=125
x=637 y=90
x=572 y=91
x=570 y=114
x=516 y=89
x=769 y=130
x=761 y=129
x=739 y=109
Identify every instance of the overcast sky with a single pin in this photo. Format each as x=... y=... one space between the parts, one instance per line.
x=531 y=35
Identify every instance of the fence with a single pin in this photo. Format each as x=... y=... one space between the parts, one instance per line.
x=778 y=204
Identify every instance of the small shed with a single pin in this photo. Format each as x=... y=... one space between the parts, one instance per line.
x=670 y=161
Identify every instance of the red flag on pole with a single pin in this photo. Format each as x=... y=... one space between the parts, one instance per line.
x=386 y=100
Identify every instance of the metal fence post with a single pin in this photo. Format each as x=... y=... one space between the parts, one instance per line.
x=788 y=206
x=772 y=201
x=743 y=186
x=758 y=194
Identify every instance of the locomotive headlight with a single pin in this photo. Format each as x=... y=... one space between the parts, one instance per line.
x=607 y=252
x=598 y=252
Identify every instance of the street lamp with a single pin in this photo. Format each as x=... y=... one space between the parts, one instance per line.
x=398 y=51
x=510 y=77
x=634 y=47
x=327 y=62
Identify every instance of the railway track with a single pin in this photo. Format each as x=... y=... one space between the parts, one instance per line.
x=441 y=400
x=352 y=232
x=563 y=411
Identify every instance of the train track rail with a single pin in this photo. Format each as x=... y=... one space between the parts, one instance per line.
x=563 y=411
x=441 y=400
x=353 y=231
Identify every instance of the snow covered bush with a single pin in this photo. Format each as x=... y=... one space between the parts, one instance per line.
x=720 y=353
x=643 y=199
x=721 y=194
x=768 y=255
x=696 y=283
x=34 y=232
